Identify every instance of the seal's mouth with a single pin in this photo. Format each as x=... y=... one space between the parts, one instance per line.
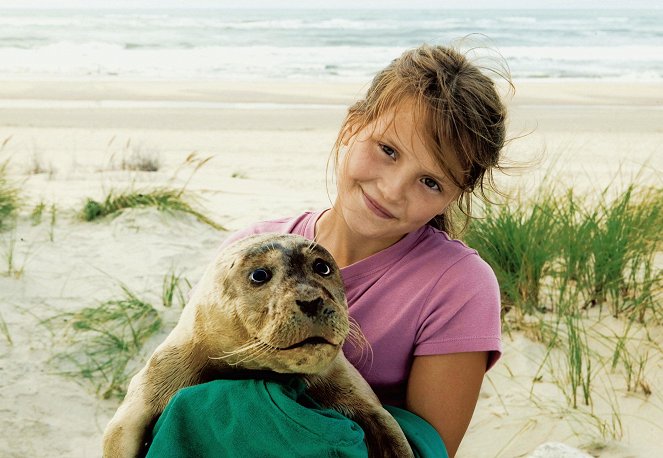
x=311 y=341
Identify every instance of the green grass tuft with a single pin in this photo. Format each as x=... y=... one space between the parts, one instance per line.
x=9 y=198
x=626 y=235
x=53 y=221
x=163 y=199
x=601 y=253
x=518 y=242
x=103 y=340
x=4 y=329
x=141 y=161
x=560 y=260
x=36 y=214
x=172 y=289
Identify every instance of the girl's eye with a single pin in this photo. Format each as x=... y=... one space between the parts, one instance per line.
x=389 y=151
x=322 y=268
x=260 y=276
x=430 y=183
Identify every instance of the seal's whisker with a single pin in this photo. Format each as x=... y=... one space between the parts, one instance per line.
x=358 y=340
x=264 y=349
x=252 y=352
x=255 y=351
x=242 y=349
x=248 y=357
x=355 y=333
x=246 y=347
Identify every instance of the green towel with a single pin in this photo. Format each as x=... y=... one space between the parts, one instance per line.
x=249 y=418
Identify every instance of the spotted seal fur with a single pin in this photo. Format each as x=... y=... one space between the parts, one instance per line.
x=272 y=302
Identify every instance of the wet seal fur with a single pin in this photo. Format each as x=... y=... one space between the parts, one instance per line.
x=270 y=302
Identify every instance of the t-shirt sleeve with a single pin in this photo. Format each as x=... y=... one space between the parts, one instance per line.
x=462 y=312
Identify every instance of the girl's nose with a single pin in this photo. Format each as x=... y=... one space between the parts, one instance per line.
x=393 y=187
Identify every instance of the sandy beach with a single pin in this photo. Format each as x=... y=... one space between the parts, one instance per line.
x=268 y=144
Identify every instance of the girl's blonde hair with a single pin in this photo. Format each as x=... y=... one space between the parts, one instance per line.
x=461 y=114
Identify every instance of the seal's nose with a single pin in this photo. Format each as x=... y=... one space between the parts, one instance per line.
x=310 y=308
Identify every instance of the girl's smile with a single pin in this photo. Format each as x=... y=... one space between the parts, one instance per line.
x=377 y=208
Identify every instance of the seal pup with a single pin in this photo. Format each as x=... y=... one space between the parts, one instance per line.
x=271 y=302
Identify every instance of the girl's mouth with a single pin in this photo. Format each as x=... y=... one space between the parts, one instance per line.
x=376 y=208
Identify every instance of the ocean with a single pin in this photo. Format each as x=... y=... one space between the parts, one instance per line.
x=336 y=44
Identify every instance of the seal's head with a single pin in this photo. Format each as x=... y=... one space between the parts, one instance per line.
x=281 y=302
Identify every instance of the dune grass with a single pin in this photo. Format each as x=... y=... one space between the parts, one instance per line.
x=9 y=198
x=142 y=161
x=573 y=227
x=10 y=256
x=16 y=251
x=133 y=157
x=605 y=250
x=37 y=213
x=515 y=240
x=37 y=167
x=103 y=340
x=4 y=329
x=164 y=199
x=626 y=235
x=172 y=289
x=52 y=221
x=579 y=364
x=633 y=363
x=559 y=256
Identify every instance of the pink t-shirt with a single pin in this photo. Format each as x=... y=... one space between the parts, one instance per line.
x=425 y=295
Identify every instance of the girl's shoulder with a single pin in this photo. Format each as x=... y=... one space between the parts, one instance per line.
x=444 y=263
x=434 y=247
x=438 y=239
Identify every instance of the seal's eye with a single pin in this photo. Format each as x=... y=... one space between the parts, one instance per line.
x=260 y=276
x=321 y=267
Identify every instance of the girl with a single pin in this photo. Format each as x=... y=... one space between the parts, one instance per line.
x=426 y=136
x=428 y=133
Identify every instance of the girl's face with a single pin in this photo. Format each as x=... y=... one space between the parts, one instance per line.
x=388 y=182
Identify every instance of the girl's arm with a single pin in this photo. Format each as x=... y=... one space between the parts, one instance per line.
x=443 y=389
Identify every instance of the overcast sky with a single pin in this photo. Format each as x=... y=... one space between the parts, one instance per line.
x=496 y=4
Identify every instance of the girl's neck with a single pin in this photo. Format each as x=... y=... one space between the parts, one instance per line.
x=345 y=246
